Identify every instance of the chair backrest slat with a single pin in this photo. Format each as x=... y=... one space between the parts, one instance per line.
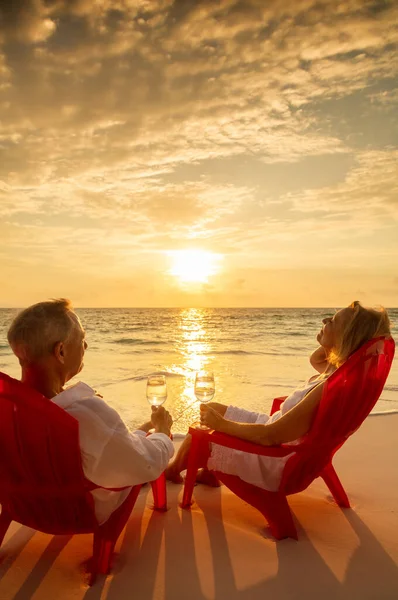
x=42 y=482
x=349 y=395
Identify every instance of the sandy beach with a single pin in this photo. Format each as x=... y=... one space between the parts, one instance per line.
x=222 y=547
x=191 y=186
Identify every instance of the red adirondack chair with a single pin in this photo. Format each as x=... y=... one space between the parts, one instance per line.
x=348 y=397
x=42 y=484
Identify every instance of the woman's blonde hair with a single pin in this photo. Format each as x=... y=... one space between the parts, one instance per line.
x=364 y=324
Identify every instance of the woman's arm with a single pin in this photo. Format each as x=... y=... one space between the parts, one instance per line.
x=319 y=359
x=291 y=426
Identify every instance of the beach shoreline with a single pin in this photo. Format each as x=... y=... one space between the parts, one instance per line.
x=255 y=354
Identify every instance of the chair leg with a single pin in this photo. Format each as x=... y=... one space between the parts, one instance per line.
x=159 y=493
x=105 y=556
x=197 y=458
x=272 y=505
x=334 y=484
x=107 y=534
x=5 y=522
x=102 y=556
x=279 y=516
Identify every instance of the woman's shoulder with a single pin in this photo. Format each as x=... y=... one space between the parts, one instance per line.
x=320 y=377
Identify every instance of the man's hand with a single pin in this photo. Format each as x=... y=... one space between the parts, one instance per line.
x=210 y=417
x=146 y=426
x=161 y=420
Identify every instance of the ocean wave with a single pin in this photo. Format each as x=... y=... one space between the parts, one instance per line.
x=390 y=388
x=286 y=386
x=169 y=374
x=300 y=346
x=246 y=352
x=138 y=341
x=379 y=413
x=126 y=350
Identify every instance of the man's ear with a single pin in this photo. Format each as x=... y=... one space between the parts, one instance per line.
x=59 y=352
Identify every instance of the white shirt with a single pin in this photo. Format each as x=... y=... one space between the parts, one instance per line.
x=112 y=456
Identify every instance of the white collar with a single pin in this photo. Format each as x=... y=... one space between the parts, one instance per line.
x=72 y=393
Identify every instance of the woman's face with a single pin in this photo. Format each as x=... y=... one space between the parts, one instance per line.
x=332 y=328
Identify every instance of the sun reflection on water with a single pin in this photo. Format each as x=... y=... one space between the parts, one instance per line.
x=194 y=347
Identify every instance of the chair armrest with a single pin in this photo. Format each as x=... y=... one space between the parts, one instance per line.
x=229 y=441
x=277 y=403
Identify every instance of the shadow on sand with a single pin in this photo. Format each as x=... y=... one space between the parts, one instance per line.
x=164 y=563
x=302 y=572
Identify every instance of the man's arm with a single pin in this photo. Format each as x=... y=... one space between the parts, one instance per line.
x=145 y=427
x=112 y=456
x=134 y=458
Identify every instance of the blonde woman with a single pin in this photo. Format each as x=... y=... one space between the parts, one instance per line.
x=339 y=337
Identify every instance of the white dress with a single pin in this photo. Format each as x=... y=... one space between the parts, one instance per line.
x=263 y=471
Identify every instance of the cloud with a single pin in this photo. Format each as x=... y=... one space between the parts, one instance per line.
x=254 y=127
x=26 y=21
x=370 y=189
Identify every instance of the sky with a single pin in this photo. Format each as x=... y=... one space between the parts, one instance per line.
x=199 y=153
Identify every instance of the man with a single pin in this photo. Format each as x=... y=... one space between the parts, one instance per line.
x=49 y=342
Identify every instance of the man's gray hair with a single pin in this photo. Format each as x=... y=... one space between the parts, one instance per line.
x=35 y=330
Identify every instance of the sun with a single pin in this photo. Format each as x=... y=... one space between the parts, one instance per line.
x=194 y=266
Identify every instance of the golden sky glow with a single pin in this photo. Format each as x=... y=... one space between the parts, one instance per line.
x=194 y=266
x=134 y=133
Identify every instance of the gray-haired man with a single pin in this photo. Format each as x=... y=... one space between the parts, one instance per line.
x=50 y=343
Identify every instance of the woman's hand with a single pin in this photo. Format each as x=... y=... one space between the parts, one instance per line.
x=319 y=359
x=210 y=417
x=220 y=408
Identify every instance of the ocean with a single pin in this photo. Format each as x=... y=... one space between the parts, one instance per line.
x=255 y=354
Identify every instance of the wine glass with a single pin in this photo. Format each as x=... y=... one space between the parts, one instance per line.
x=204 y=388
x=156 y=390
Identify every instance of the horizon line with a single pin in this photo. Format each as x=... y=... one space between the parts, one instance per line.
x=194 y=307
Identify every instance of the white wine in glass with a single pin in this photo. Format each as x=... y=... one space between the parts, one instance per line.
x=204 y=388
x=156 y=390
